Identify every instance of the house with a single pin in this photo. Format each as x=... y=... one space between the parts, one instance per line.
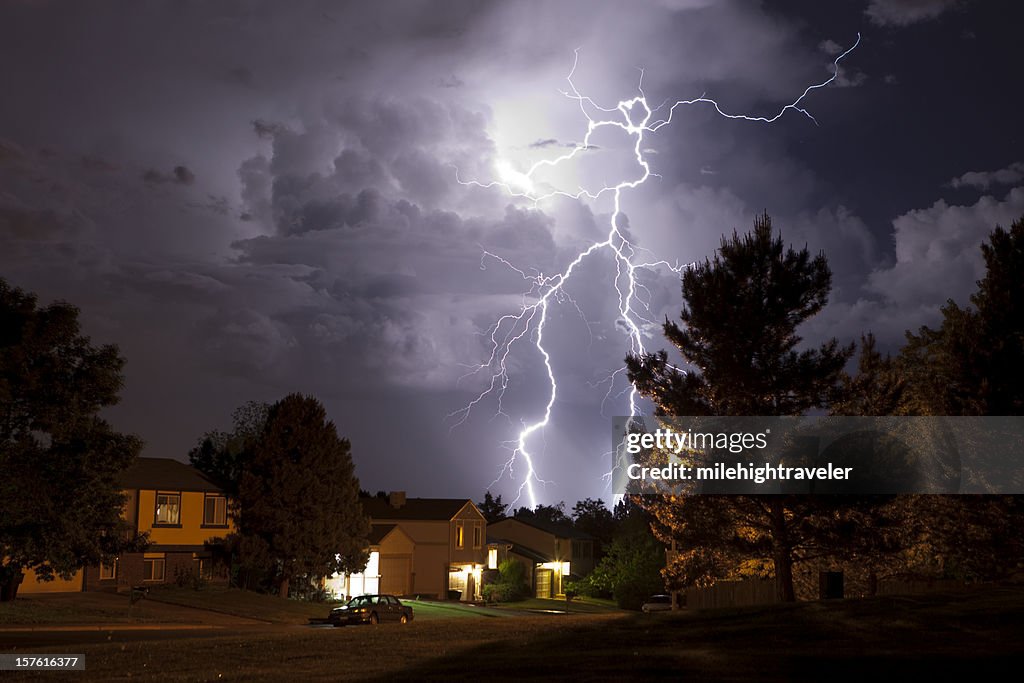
x=550 y=552
x=181 y=510
x=389 y=569
x=420 y=546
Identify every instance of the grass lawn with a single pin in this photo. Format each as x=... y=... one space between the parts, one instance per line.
x=241 y=603
x=938 y=637
x=577 y=606
x=75 y=608
x=430 y=610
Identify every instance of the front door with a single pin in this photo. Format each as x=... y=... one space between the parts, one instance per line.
x=543 y=583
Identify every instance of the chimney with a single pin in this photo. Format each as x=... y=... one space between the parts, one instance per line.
x=396 y=499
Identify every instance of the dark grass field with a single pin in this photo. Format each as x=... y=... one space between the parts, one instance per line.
x=938 y=637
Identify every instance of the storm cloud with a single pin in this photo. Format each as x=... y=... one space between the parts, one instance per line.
x=284 y=204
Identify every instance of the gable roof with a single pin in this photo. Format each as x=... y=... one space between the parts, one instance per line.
x=379 y=531
x=418 y=509
x=553 y=528
x=165 y=474
x=522 y=550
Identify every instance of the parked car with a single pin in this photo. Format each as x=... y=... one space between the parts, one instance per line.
x=657 y=603
x=370 y=609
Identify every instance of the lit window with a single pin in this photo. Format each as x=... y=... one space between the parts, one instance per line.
x=168 y=508
x=478 y=535
x=460 y=540
x=153 y=569
x=492 y=558
x=108 y=571
x=215 y=510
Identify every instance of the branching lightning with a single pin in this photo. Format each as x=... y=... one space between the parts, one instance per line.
x=634 y=117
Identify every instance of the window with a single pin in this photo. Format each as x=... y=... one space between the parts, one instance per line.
x=108 y=571
x=492 y=558
x=168 y=509
x=153 y=569
x=460 y=539
x=215 y=510
x=478 y=535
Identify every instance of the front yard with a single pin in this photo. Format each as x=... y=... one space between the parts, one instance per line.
x=921 y=637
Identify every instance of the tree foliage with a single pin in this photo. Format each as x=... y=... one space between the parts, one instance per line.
x=492 y=508
x=60 y=498
x=631 y=570
x=739 y=336
x=223 y=455
x=298 y=497
x=591 y=516
x=545 y=514
x=971 y=364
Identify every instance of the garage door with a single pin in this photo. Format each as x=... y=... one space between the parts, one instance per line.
x=394 y=575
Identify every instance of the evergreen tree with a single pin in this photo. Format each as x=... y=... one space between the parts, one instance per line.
x=739 y=337
x=972 y=363
x=877 y=388
x=492 y=508
x=223 y=455
x=298 y=497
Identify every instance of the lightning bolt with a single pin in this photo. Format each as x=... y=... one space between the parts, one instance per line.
x=634 y=117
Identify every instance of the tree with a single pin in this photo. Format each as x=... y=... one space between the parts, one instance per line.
x=631 y=570
x=492 y=508
x=971 y=364
x=878 y=387
x=223 y=455
x=545 y=514
x=60 y=498
x=592 y=517
x=298 y=497
x=739 y=336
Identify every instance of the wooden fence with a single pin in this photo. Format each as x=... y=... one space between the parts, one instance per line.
x=732 y=594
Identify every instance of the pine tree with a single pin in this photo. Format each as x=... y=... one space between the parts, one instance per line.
x=973 y=363
x=877 y=388
x=739 y=338
x=492 y=508
x=298 y=497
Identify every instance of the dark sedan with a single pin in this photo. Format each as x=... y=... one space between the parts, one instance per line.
x=370 y=609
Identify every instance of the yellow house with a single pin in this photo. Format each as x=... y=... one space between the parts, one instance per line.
x=550 y=552
x=421 y=546
x=181 y=510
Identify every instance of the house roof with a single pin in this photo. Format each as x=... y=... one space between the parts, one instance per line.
x=165 y=473
x=522 y=550
x=379 y=531
x=420 y=509
x=553 y=528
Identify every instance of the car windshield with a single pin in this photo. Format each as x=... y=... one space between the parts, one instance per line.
x=660 y=598
x=362 y=601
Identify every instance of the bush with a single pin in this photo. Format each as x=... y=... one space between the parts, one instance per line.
x=511 y=585
x=188 y=578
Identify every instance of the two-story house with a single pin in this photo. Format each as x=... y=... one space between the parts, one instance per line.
x=421 y=546
x=180 y=509
x=551 y=552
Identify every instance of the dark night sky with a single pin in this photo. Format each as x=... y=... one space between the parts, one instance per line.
x=257 y=198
